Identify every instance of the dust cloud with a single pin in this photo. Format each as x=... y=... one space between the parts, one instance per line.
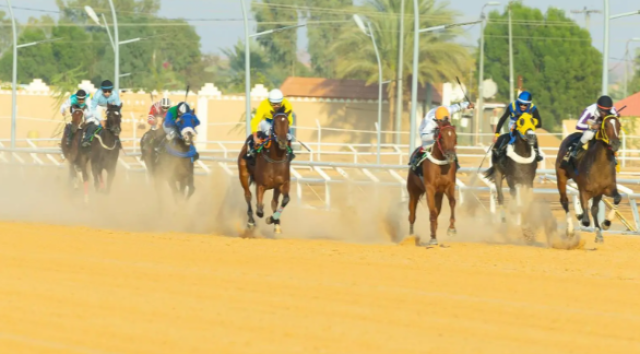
x=359 y=214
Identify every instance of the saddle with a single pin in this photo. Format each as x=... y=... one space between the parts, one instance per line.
x=416 y=160
x=574 y=143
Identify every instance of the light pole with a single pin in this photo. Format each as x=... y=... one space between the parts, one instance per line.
x=605 y=51
x=511 y=84
x=480 y=110
x=399 y=81
x=115 y=42
x=626 y=65
x=414 y=83
x=368 y=31
x=247 y=60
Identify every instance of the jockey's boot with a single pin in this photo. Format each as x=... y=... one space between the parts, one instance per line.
x=539 y=157
x=576 y=150
x=290 y=151
x=457 y=163
x=89 y=131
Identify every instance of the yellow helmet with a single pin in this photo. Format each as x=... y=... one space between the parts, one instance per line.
x=442 y=113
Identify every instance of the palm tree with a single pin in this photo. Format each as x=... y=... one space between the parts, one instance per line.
x=440 y=58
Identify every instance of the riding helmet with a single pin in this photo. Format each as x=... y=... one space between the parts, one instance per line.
x=442 y=113
x=183 y=108
x=276 y=96
x=165 y=103
x=106 y=85
x=605 y=102
x=81 y=94
x=525 y=97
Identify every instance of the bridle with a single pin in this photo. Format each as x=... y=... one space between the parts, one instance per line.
x=439 y=131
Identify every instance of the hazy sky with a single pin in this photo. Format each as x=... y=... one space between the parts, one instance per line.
x=217 y=35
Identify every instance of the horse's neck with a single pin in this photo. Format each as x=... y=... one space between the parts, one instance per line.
x=599 y=154
x=274 y=151
x=107 y=136
x=522 y=147
x=436 y=152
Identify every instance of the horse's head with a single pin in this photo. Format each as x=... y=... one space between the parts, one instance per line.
x=610 y=132
x=280 y=129
x=187 y=125
x=77 y=117
x=526 y=126
x=446 y=139
x=114 y=118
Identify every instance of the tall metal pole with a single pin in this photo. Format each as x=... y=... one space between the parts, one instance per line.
x=247 y=68
x=511 y=83
x=399 y=78
x=375 y=47
x=480 y=110
x=14 y=78
x=414 y=78
x=605 y=51
x=116 y=69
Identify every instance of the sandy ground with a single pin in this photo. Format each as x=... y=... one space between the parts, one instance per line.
x=66 y=289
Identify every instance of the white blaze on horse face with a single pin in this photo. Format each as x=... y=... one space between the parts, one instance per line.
x=449 y=133
x=613 y=124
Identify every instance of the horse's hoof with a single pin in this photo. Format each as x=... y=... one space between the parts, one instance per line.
x=269 y=220
x=260 y=214
x=277 y=230
x=586 y=223
x=606 y=225
x=433 y=242
x=452 y=232
x=599 y=239
x=579 y=217
x=250 y=225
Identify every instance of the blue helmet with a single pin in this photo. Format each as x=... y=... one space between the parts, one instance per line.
x=525 y=97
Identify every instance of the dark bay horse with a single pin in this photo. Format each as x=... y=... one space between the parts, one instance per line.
x=147 y=145
x=269 y=170
x=74 y=154
x=594 y=172
x=176 y=160
x=438 y=178
x=105 y=149
x=518 y=166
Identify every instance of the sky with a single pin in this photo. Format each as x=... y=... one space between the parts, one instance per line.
x=222 y=34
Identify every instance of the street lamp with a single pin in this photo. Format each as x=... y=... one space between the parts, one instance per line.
x=247 y=60
x=368 y=31
x=605 y=51
x=480 y=109
x=511 y=82
x=626 y=65
x=414 y=83
x=115 y=43
x=400 y=81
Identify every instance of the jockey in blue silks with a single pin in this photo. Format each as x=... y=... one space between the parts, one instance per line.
x=179 y=121
x=524 y=104
x=103 y=97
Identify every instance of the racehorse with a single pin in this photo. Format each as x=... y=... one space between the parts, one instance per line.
x=147 y=144
x=269 y=170
x=176 y=160
x=105 y=149
x=73 y=153
x=594 y=172
x=518 y=166
x=435 y=176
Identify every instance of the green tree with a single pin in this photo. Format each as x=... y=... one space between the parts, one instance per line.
x=552 y=54
x=280 y=47
x=440 y=58
x=260 y=66
x=634 y=82
x=35 y=61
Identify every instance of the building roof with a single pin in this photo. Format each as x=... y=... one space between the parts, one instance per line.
x=633 y=106
x=345 y=89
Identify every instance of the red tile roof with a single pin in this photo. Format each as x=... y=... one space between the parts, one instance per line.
x=633 y=106
x=346 y=89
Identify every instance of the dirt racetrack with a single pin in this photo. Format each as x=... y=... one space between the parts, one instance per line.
x=67 y=289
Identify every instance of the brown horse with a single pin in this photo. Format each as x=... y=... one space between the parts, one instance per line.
x=594 y=172
x=147 y=144
x=176 y=161
x=74 y=154
x=438 y=178
x=269 y=170
x=105 y=149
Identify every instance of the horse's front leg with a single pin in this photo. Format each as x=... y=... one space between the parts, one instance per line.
x=595 y=207
x=498 y=184
x=260 y=200
x=433 y=216
x=612 y=214
x=561 y=181
x=191 y=184
x=244 y=181
x=584 y=203
x=274 y=205
x=284 y=190
x=451 y=195
x=111 y=175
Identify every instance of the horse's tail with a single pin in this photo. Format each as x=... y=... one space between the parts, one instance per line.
x=490 y=174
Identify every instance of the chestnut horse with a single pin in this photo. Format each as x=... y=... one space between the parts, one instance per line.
x=437 y=178
x=594 y=172
x=269 y=170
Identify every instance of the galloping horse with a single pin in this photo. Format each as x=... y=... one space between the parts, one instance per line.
x=518 y=165
x=437 y=178
x=594 y=172
x=105 y=149
x=147 y=144
x=73 y=153
x=175 y=163
x=270 y=171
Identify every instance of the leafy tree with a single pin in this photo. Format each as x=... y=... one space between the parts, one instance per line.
x=440 y=58
x=34 y=61
x=280 y=47
x=634 y=83
x=552 y=54
x=260 y=66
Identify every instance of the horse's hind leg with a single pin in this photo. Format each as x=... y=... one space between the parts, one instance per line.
x=260 y=200
x=595 y=207
x=190 y=185
x=498 y=184
x=561 y=181
x=413 y=204
x=244 y=181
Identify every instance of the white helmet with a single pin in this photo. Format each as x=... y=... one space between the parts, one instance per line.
x=165 y=103
x=276 y=96
x=183 y=108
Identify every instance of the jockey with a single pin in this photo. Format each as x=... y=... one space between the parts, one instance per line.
x=522 y=105
x=262 y=121
x=103 y=96
x=78 y=100
x=589 y=122
x=430 y=124
x=174 y=114
x=158 y=110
